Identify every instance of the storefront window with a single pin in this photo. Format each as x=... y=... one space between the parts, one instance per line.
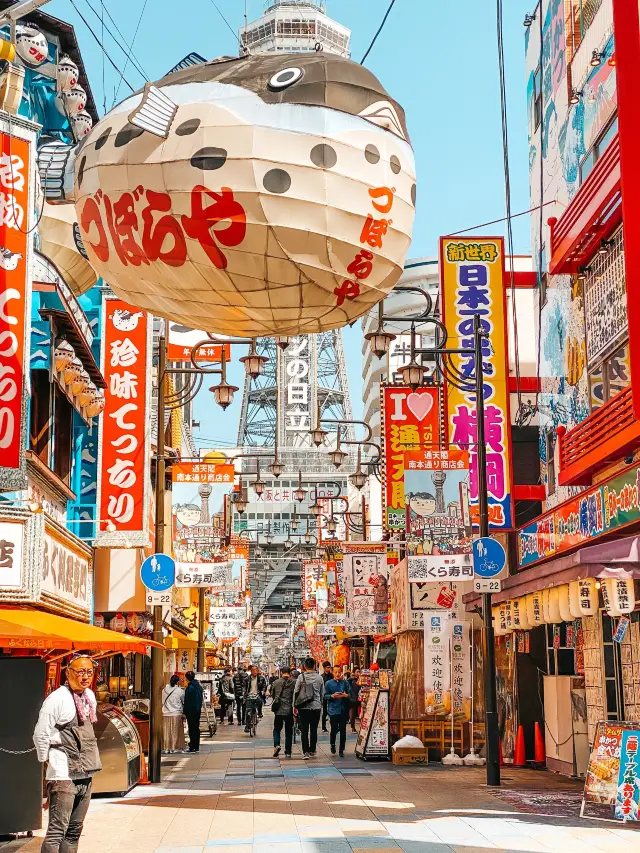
x=599 y=147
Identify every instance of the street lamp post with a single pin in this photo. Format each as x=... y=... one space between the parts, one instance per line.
x=413 y=375
x=223 y=395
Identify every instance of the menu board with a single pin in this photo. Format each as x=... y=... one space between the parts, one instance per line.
x=613 y=774
x=373 y=737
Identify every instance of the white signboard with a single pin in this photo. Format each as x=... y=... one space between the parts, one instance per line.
x=325 y=630
x=366 y=598
x=437 y=662
x=297 y=416
x=487 y=584
x=227 y=614
x=460 y=665
x=65 y=571
x=153 y=597
x=11 y=554
x=203 y=574
x=440 y=567
x=226 y=630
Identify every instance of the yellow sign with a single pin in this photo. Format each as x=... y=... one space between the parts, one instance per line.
x=473 y=283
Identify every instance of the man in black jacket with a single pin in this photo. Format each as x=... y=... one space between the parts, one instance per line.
x=327 y=675
x=282 y=706
x=255 y=693
x=193 y=699
x=240 y=680
x=225 y=689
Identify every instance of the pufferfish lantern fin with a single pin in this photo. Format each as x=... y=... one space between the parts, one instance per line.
x=190 y=59
x=155 y=113
x=56 y=164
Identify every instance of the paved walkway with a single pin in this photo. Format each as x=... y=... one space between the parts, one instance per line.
x=235 y=798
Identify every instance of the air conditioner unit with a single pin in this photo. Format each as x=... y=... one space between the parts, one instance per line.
x=566 y=731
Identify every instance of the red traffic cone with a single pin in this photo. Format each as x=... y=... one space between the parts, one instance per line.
x=144 y=778
x=540 y=755
x=501 y=756
x=519 y=756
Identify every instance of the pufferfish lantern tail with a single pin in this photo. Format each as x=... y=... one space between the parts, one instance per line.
x=56 y=165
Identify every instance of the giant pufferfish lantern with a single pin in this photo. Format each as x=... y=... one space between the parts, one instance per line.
x=280 y=202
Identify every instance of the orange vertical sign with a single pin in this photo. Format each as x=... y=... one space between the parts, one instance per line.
x=124 y=436
x=14 y=302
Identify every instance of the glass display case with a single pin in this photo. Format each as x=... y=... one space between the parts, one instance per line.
x=120 y=751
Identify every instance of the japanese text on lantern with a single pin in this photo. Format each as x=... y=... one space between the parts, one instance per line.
x=141 y=229
x=411 y=420
x=123 y=474
x=473 y=283
x=14 y=201
x=372 y=235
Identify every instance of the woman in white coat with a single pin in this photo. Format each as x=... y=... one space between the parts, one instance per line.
x=172 y=721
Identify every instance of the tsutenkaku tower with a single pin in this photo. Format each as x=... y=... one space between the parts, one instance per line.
x=308 y=375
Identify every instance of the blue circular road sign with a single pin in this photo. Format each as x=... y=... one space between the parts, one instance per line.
x=158 y=572
x=489 y=557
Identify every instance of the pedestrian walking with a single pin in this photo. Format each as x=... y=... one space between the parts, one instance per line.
x=282 y=707
x=256 y=688
x=307 y=700
x=337 y=692
x=240 y=679
x=172 y=712
x=227 y=697
x=326 y=675
x=354 y=698
x=64 y=738
x=193 y=699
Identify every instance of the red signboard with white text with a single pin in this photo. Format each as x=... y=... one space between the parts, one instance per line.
x=123 y=481
x=14 y=293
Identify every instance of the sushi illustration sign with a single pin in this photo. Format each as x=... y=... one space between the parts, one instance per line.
x=230 y=236
x=473 y=284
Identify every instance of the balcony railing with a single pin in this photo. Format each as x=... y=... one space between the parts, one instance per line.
x=594 y=213
x=603 y=437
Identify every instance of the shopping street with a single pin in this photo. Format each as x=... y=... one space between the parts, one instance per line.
x=234 y=795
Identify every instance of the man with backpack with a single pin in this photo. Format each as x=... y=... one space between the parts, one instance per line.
x=307 y=700
x=282 y=707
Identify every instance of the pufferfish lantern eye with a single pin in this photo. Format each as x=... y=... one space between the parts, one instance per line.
x=285 y=78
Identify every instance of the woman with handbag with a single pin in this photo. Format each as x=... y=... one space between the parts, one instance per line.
x=172 y=710
x=282 y=707
x=227 y=696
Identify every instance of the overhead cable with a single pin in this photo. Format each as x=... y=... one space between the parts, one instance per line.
x=144 y=6
x=229 y=27
x=102 y=47
x=105 y=11
x=380 y=28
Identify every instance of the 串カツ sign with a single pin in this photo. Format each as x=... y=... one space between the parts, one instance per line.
x=14 y=293
x=123 y=471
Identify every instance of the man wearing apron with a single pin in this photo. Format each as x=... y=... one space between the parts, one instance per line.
x=64 y=738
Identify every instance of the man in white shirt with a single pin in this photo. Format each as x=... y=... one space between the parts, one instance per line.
x=64 y=738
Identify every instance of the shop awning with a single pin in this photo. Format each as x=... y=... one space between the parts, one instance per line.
x=180 y=643
x=618 y=558
x=34 y=629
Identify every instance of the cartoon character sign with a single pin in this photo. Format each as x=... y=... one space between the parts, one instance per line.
x=280 y=201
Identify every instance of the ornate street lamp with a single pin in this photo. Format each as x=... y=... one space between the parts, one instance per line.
x=300 y=493
x=358 y=478
x=318 y=434
x=412 y=373
x=258 y=484
x=253 y=363
x=338 y=455
x=316 y=506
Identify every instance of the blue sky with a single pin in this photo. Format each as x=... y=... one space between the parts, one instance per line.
x=438 y=59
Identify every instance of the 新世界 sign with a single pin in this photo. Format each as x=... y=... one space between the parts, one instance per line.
x=473 y=283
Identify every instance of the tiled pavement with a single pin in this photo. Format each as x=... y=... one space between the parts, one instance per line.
x=235 y=798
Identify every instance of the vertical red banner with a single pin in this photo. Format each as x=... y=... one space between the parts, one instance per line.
x=124 y=427
x=14 y=202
